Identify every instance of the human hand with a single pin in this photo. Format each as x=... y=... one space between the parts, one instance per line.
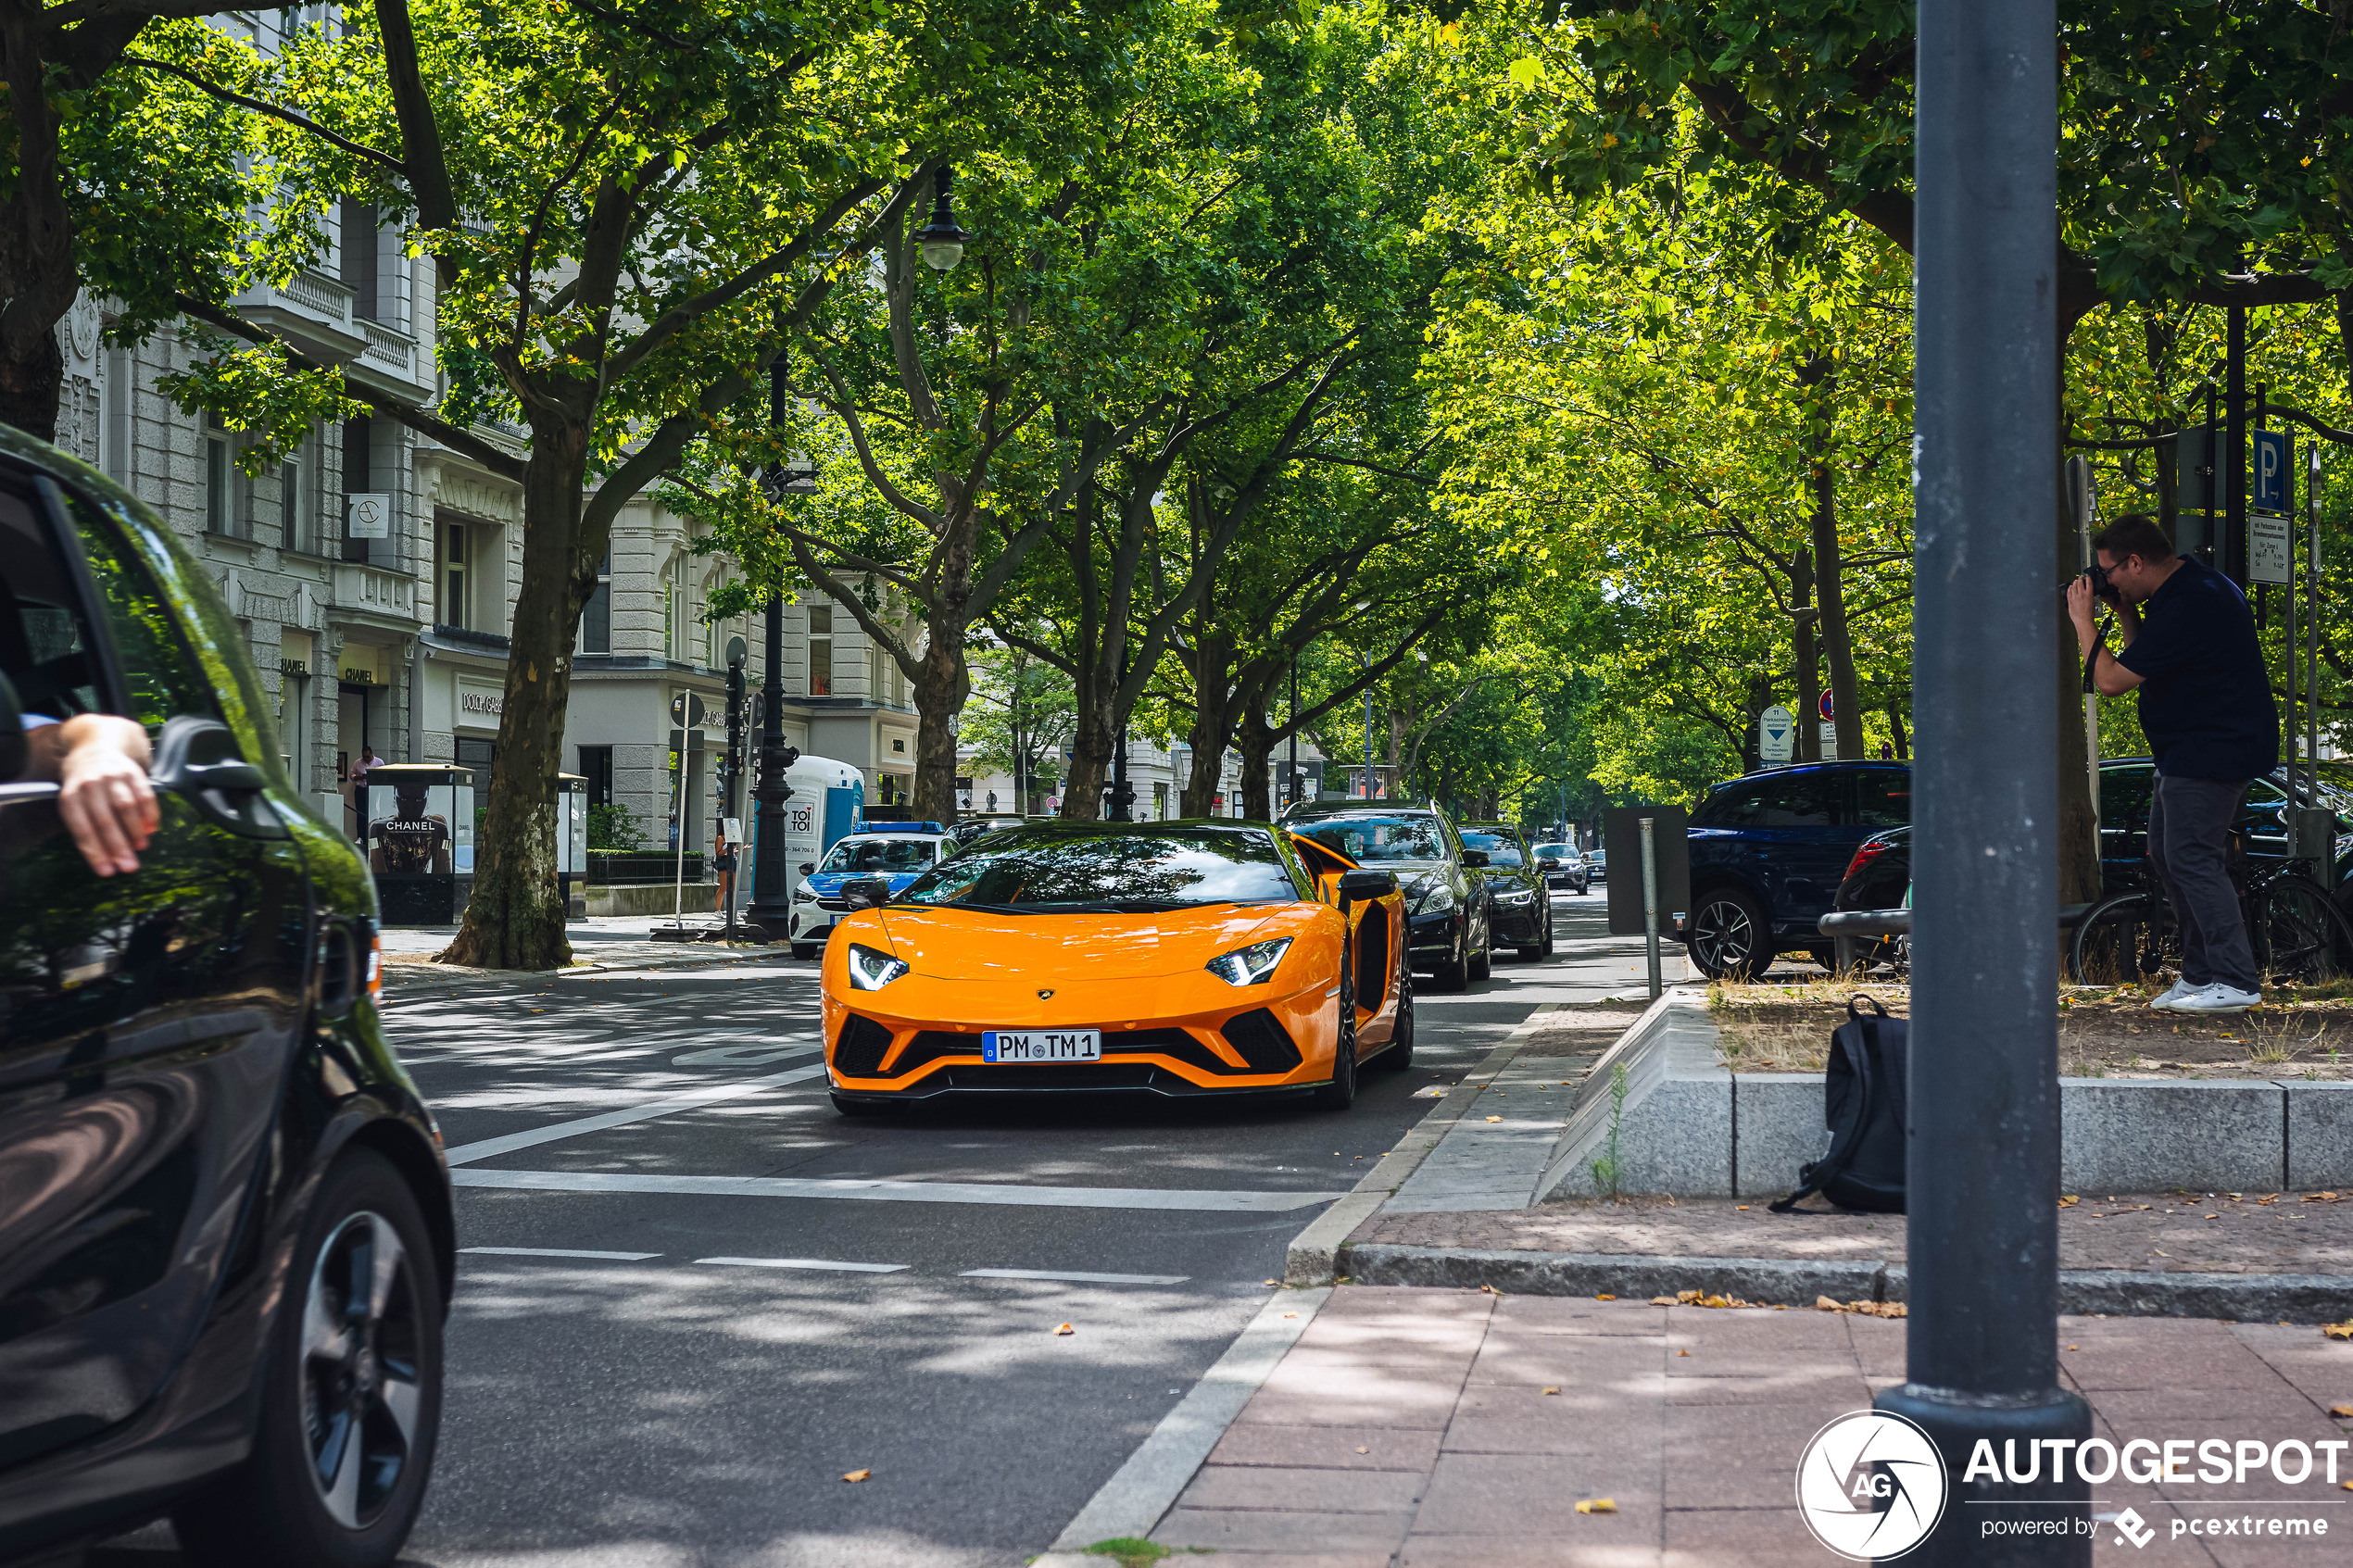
x=103 y=793
x=2080 y=610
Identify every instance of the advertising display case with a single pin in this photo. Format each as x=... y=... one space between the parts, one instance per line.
x=419 y=837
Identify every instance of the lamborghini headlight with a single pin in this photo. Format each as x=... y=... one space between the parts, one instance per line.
x=1253 y=965
x=870 y=969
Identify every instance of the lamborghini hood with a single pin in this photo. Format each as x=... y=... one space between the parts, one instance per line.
x=950 y=943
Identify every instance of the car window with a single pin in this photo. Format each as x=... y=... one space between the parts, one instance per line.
x=1501 y=849
x=1369 y=839
x=2124 y=798
x=1554 y=852
x=160 y=677
x=1883 y=800
x=2261 y=812
x=1045 y=869
x=1734 y=806
x=1808 y=800
x=856 y=854
x=46 y=650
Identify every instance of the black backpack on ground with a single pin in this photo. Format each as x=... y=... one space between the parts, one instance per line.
x=1863 y=1105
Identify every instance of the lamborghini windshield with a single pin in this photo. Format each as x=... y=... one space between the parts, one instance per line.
x=1103 y=868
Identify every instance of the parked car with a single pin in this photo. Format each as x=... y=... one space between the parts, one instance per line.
x=1569 y=868
x=1520 y=902
x=1768 y=851
x=1597 y=865
x=1878 y=877
x=896 y=852
x=971 y=830
x=2125 y=784
x=1447 y=919
x=226 y=1242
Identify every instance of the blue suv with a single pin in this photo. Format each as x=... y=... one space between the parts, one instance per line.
x=1767 y=851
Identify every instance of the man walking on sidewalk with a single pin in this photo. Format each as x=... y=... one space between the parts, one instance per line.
x=2206 y=705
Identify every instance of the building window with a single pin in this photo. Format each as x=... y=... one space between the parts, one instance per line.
x=821 y=650
x=298 y=499
x=455 y=565
x=360 y=258
x=595 y=617
x=595 y=766
x=222 y=513
x=115 y=397
x=355 y=482
x=673 y=609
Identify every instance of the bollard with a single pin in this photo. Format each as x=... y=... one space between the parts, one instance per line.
x=1650 y=901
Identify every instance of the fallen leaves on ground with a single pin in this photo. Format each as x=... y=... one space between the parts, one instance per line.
x=1662 y=1300
x=2338 y=1330
x=1551 y=1390
x=859 y=1475
x=1605 y=1297
x=1068 y=1329
x=2323 y=1198
x=1597 y=1505
x=2341 y=1410
x=1863 y=1308
x=1683 y=1352
x=1494 y=1118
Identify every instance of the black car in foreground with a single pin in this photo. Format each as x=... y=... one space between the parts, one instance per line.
x=1446 y=909
x=1520 y=902
x=226 y=1240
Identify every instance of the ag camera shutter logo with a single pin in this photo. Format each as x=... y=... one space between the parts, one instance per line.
x=1870 y=1485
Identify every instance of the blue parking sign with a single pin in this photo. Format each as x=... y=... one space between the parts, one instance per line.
x=2272 y=484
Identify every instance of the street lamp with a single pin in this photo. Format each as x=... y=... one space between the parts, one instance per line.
x=771 y=907
x=941 y=239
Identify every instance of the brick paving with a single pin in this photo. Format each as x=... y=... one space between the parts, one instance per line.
x=1410 y=1428
x=2160 y=1232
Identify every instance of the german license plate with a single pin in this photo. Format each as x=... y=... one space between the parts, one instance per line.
x=1041 y=1044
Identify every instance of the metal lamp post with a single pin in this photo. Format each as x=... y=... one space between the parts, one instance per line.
x=771 y=907
x=1983 y=1359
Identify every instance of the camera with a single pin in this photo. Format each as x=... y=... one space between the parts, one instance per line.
x=2097 y=575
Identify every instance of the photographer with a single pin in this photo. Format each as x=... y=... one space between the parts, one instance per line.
x=2188 y=642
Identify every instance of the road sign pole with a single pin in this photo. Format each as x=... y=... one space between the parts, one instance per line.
x=1983 y=1178
x=1650 y=901
x=2312 y=623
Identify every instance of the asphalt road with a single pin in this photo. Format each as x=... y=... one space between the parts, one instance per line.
x=657 y=1362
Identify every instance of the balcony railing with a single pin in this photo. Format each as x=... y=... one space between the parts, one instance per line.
x=368 y=588
x=312 y=307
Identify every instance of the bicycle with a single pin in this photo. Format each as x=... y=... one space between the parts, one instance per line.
x=2300 y=937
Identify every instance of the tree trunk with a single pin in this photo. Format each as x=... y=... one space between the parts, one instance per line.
x=1093 y=740
x=38 y=277
x=1896 y=724
x=1257 y=744
x=515 y=919
x=942 y=682
x=1846 y=710
x=1809 y=663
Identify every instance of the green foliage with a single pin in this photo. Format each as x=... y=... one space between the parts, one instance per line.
x=259 y=391
x=614 y=826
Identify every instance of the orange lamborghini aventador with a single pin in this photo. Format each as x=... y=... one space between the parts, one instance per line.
x=1192 y=957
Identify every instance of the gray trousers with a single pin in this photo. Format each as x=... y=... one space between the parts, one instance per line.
x=2189 y=830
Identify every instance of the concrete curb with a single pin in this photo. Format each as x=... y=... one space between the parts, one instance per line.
x=1146 y=1486
x=1310 y=1260
x=1795 y=1281
x=402 y=987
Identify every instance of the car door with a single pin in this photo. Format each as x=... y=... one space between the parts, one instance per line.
x=146 y=1019
x=2262 y=818
x=1804 y=837
x=2124 y=821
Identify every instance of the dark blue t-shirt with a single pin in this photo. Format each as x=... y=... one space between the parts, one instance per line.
x=2205 y=699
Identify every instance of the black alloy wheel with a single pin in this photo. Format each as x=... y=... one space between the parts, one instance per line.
x=1454 y=972
x=352 y=1395
x=1341 y=1093
x=1729 y=938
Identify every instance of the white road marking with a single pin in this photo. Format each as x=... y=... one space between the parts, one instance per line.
x=465 y=1153
x=559 y=1252
x=749 y=1056
x=1079 y=1278
x=808 y=1264
x=1177 y=1199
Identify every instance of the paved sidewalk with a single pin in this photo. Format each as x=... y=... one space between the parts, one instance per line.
x=1433 y=1428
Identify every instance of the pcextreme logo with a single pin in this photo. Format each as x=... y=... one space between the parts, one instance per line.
x=1870 y=1485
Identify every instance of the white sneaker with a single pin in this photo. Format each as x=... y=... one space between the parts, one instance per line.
x=2218 y=998
x=2181 y=988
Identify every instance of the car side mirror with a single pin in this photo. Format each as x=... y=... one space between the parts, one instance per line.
x=1474 y=857
x=15 y=755
x=807 y=867
x=1548 y=864
x=1368 y=885
x=865 y=893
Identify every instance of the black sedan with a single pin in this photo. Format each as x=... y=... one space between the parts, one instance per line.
x=1446 y=910
x=226 y=1243
x=1518 y=901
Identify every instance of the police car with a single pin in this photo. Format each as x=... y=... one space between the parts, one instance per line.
x=897 y=852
